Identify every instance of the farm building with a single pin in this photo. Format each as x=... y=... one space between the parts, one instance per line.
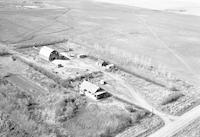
x=51 y=54
x=48 y=53
x=102 y=63
x=91 y=90
x=105 y=65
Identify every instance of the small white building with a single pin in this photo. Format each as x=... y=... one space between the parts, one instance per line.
x=91 y=90
x=105 y=65
x=110 y=66
x=101 y=63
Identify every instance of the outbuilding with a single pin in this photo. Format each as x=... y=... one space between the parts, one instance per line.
x=48 y=53
x=102 y=63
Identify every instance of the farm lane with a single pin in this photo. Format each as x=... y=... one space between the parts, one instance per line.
x=138 y=100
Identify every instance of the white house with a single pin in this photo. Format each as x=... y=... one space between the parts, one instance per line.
x=91 y=90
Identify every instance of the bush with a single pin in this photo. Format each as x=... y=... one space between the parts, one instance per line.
x=10 y=128
x=130 y=109
x=171 y=98
x=68 y=107
x=99 y=121
x=43 y=43
x=4 y=52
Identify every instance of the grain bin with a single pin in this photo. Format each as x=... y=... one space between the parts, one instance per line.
x=48 y=53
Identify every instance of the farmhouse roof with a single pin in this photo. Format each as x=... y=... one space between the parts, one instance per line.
x=89 y=86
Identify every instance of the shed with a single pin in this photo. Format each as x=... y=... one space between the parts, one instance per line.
x=89 y=87
x=48 y=53
x=82 y=56
x=102 y=63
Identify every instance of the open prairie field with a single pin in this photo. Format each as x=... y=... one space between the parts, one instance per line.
x=191 y=7
x=133 y=31
x=154 y=82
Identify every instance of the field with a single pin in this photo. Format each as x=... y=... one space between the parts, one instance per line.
x=128 y=29
x=191 y=130
x=153 y=85
x=25 y=112
x=190 y=7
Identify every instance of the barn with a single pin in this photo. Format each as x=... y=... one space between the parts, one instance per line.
x=48 y=53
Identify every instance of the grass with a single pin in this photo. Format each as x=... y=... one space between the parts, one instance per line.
x=32 y=115
x=40 y=69
x=10 y=128
x=14 y=107
x=139 y=66
x=4 y=52
x=68 y=107
x=192 y=130
x=60 y=106
x=141 y=62
x=172 y=98
x=42 y=43
x=101 y=121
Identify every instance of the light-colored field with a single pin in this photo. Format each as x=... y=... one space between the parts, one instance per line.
x=168 y=39
x=191 y=7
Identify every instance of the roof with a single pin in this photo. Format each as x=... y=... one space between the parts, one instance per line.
x=89 y=86
x=65 y=54
x=45 y=52
x=100 y=92
x=102 y=62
